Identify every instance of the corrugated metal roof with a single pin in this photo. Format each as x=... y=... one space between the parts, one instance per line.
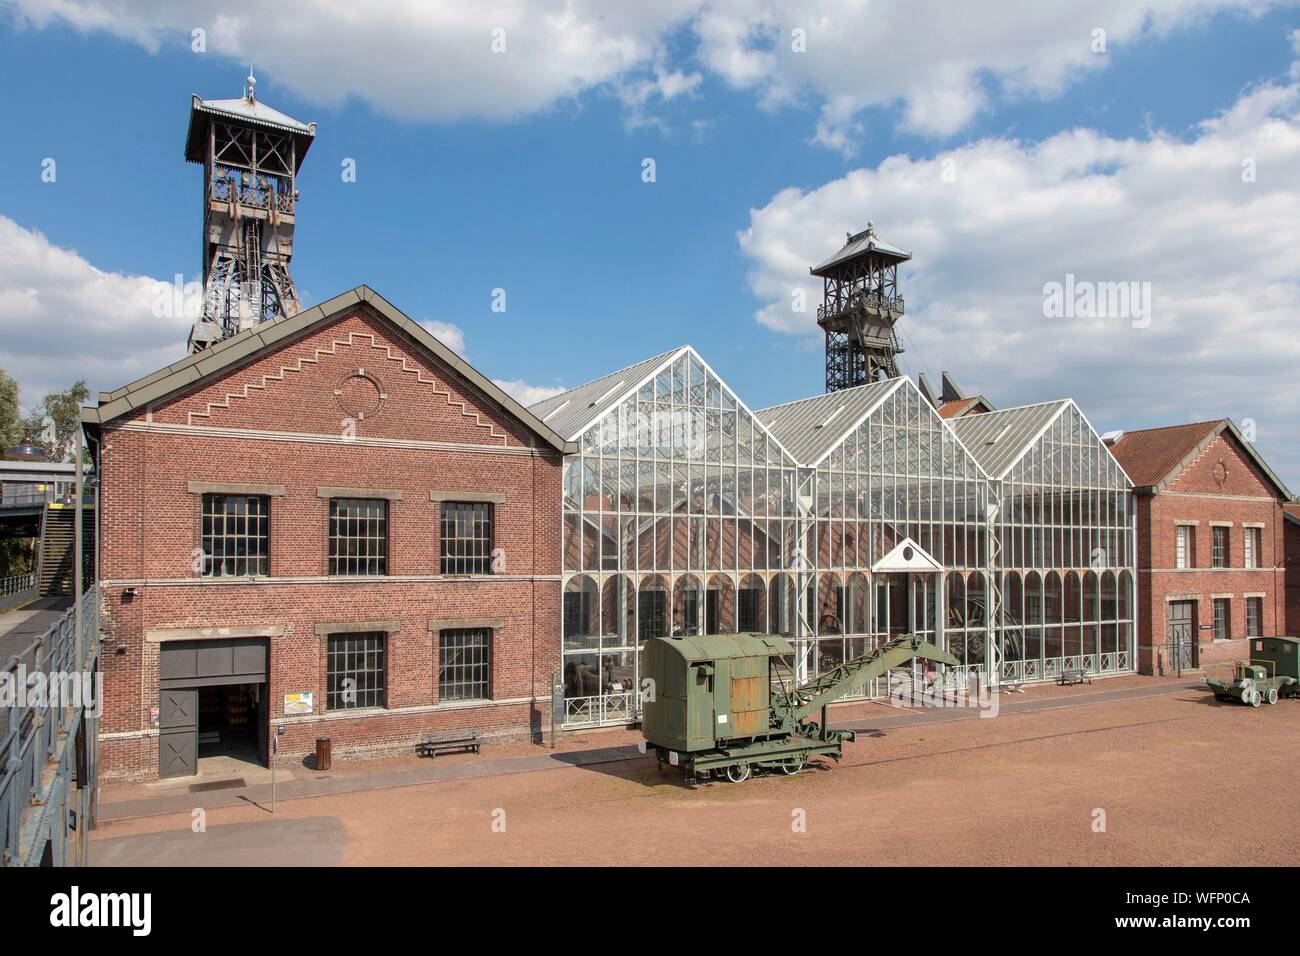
x=571 y=413
x=864 y=242
x=257 y=112
x=997 y=440
x=811 y=427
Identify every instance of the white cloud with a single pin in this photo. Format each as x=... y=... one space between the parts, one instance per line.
x=524 y=393
x=1219 y=252
x=63 y=319
x=419 y=60
x=452 y=336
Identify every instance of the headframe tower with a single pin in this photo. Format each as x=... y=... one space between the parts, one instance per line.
x=860 y=307
x=250 y=155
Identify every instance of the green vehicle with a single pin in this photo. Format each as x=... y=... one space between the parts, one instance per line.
x=726 y=704
x=1273 y=671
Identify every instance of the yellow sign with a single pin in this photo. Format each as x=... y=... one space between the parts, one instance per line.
x=298 y=703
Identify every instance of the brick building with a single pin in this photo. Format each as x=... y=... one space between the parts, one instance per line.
x=1210 y=544
x=328 y=522
x=1291 y=536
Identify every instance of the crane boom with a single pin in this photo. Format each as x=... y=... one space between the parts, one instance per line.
x=807 y=699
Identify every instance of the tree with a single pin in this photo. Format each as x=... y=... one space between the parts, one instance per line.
x=11 y=424
x=55 y=421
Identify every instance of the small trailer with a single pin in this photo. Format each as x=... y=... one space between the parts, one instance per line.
x=726 y=704
x=1273 y=671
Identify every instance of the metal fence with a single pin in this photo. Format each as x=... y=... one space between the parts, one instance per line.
x=49 y=742
x=17 y=589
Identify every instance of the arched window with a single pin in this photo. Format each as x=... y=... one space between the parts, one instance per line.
x=687 y=613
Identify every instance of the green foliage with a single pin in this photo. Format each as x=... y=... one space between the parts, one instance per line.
x=56 y=419
x=10 y=411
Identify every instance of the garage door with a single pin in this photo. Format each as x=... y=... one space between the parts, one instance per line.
x=185 y=666
x=207 y=663
x=178 y=733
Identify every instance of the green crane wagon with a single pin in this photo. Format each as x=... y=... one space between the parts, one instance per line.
x=723 y=703
x=1273 y=671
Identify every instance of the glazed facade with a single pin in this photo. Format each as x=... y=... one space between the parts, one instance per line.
x=684 y=512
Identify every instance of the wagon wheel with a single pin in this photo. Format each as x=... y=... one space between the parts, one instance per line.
x=1255 y=698
x=738 y=773
x=1272 y=695
x=793 y=767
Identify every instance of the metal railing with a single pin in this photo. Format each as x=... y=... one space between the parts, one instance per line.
x=861 y=300
x=17 y=589
x=48 y=779
x=598 y=709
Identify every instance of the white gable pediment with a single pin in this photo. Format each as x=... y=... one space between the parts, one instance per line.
x=907 y=555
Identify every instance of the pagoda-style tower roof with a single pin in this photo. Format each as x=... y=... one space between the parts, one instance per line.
x=864 y=243
x=247 y=110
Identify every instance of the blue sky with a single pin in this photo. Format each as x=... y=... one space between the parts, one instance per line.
x=540 y=192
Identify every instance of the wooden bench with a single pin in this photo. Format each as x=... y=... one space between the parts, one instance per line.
x=432 y=743
x=1073 y=675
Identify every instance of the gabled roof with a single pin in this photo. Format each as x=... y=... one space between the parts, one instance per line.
x=1153 y=457
x=810 y=428
x=1291 y=511
x=859 y=245
x=975 y=405
x=266 y=336
x=571 y=413
x=999 y=439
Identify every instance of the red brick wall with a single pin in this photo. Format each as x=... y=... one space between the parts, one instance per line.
x=1291 y=536
x=151 y=528
x=1245 y=497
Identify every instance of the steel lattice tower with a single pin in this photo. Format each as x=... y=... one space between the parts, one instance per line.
x=250 y=155
x=860 y=307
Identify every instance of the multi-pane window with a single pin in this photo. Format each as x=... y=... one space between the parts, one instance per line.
x=235 y=535
x=651 y=607
x=747 y=609
x=1250 y=548
x=466 y=537
x=1254 y=617
x=355 y=671
x=464 y=663
x=1219 y=555
x=358 y=533
x=1222 y=619
x=1183 y=544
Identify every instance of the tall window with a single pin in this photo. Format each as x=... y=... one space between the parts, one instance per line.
x=747 y=609
x=235 y=535
x=466 y=537
x=464 y=663
x=355 y=671
x=1250 y=548
x=1184 y=542
x=358 y=532
x=1222 y=619
x=651 y=607
x=1254 y=617
x=1220 y=556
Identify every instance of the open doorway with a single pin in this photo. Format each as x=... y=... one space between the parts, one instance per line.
x=229 y=724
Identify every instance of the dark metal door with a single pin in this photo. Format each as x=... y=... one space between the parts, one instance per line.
x=1180 y=634
x=178 y=733
x=263 y=723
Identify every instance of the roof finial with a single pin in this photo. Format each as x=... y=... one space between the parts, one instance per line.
x=871 y=228
x=252 y=82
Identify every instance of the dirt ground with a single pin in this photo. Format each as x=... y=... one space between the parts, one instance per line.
x=1165 y=779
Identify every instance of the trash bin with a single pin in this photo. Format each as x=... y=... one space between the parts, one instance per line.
x=322 y=753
